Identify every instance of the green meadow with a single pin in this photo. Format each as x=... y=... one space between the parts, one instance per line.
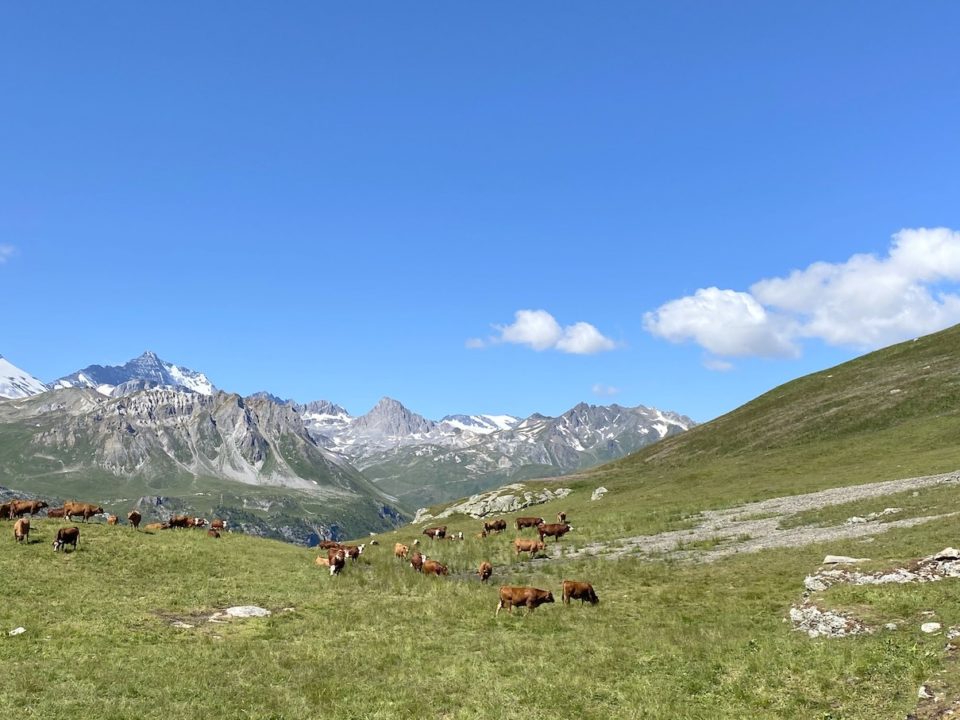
x=104 y=635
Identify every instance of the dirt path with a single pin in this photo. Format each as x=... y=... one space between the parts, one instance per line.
x=755 y=526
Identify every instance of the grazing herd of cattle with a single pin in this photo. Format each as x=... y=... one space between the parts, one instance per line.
x=16 y=509
x=510 y=596
x=337 y=553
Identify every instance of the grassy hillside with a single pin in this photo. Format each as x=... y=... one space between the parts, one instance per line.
x=668 y=640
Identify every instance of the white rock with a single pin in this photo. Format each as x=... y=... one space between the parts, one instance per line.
x=947 y=554
x=953 y=633
x=17 y=631
x=930 y=627
x=599 y=493
x=182 y=625
x=842 y=559
x=890 y=626
x=245 y=611
x=923 y=693
x=855 y=520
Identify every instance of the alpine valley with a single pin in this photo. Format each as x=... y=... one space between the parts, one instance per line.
x=163 y=438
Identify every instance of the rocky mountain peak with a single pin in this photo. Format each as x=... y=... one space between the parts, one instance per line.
x=390 y=418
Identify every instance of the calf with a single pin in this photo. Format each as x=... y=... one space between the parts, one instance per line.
x=134 y=518
x=21 y=530
x=112 y=520
x=525 y=522
x=213 y=533
x=485 y=571
x=66 y=536
x=530 y=597
x=433 y=567
x=19 y=508
x=5 y=511
x=498 y=525
x=579 y=591
x=400 y=551
x=218 y=524
x=561 y=517
x=436 y=533
x=556 y=530
x=530 y=546
x=417 y=560
x=156 y=526
x=55 y=512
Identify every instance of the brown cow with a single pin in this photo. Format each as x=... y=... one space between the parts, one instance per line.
x=354 y=551
x=485 y=571
x=556 y=530
x=498 y=525
x=327 y=544
x=513 y=596
x=219 y=524
x=436 y=533
x=21 y=530
x=579 y=591
x=400 y=551
x=66 y=536
x=112 y=520
x=526 y=522
x=213 y=533
x=5 y=511
x=19 y=508
x=87 y=510
x=322 y=561
x=156 y=526
x=181 y=521
x=417 y=560
x=336 y=558
x=561 y=517
x=198 y=522
x=530 y=546
x=55 y=512
x=434 y=567
x=134 y=518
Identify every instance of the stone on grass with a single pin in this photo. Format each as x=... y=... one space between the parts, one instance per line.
x=598 y=493
x=930 y=627
x=842 y=560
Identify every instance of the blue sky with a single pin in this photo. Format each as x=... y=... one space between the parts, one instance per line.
x=496 y=207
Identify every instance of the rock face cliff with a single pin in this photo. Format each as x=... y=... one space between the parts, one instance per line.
x=176 y=440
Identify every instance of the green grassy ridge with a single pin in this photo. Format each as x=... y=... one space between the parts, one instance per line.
x=668 y=640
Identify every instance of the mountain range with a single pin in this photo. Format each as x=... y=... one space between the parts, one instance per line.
x=292 y=470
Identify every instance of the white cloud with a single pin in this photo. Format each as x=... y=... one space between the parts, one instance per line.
x=6 y=252
x=717 y=365
x=605 y=390
x=866 y=302
x=584 y=339
x=475 y=343
x=539 y=330
x=536 y=328
x=725 y=322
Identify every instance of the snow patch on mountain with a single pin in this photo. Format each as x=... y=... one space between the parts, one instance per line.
x=16 y=383
x=148 y=369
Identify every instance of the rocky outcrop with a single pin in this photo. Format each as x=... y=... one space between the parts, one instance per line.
x=510 y=498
